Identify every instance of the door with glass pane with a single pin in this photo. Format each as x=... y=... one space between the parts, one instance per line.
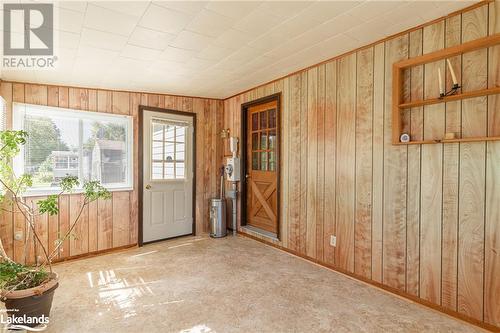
x=262 y=165
x=168 y=175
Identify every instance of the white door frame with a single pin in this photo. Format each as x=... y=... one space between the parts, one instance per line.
x=140 y=185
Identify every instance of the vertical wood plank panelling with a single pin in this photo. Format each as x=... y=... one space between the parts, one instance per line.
x=93 y=226
x=63 y=97
x=395 y=173
x=312 y=160
x=414 y=157
x=63 y=216
x=431 y=173
x=200 y=142
x=135 y=101
x=284 y=159
x=378 y=160
x=363 y=172
x=320 y=189
x=7 y=229
x=6 y=93
x=105 y=101
x=35 y=94
x=346 y=159
x=19 y=222
x=450 y=177
x=472 y=172
x=294 y=163
x=6 y=217
x=121 y=218
x=330 y=161
x=92 y=100
x=79 y=239
x=303 y=163
x=492 y=226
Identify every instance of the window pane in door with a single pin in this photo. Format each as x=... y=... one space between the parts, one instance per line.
x=255 y=141
x=169 y=151
x=255 y=161
x=263 y=161
x=272 y=118
x=272 y=139
x=180 y=133
x=169 y=132
x=263 y=140
x=157 y=171
x=157 y=150
x=263 y=119
x=169 y=171
x=255 y=121
x=272 y=161
x=179 y=169
x=179 y=152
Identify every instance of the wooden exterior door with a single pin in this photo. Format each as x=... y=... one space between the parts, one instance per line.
x=262 y=166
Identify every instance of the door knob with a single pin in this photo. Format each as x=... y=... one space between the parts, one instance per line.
x=148 y=187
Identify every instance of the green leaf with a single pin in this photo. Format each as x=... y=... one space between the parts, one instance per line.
x=93 y=190
x=68 y=183
x=49 y=205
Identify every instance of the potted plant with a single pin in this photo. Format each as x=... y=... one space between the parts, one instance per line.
x=27 y=289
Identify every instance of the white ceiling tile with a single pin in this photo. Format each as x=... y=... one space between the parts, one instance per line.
x=257 y=22
x=68 y=40
x=177 y=55
x=140 y=53
x=214 y=53
x=103 y=19
x=133 y=8
x=69 y=20
x=164 y=19
x=210 y=23
x=295 y=26
x=79 y=6
x=191 y=41
x=102 y=40
x=190 y=7
x=285 y=9
x=150 y=38
x=233 y=9
x=325 y=10
x=338 y=25
x=233 y=39
x=95 y=55
x=199 y=64
x=369 y=10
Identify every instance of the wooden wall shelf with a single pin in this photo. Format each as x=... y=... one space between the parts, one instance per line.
x=465 y=95
x=398 y=104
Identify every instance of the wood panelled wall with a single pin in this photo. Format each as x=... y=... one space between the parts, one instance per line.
x=423 y=220
x=108 y=224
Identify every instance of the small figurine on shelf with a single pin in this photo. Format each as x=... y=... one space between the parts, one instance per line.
x=454 y=87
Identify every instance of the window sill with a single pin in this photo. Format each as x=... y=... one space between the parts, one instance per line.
x=45 y=192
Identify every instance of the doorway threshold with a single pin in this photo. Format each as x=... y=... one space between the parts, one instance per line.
x=254 y=230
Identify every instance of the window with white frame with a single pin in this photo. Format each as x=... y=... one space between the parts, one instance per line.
x=61 y=142
x=168 y=149
x=3 y=114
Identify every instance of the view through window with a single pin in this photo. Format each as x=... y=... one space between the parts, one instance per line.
x=61 y=142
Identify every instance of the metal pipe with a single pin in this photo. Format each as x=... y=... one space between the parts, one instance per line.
x=234 y=199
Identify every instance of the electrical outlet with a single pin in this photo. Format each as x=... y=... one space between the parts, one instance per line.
x=18 y=235
x=333 y=240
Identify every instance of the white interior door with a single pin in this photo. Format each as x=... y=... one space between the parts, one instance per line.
x=168 y=175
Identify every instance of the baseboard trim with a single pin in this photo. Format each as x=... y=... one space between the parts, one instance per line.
x=381 y=286
x=95 y=253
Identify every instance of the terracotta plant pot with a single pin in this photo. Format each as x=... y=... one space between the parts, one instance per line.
x=33 y=302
